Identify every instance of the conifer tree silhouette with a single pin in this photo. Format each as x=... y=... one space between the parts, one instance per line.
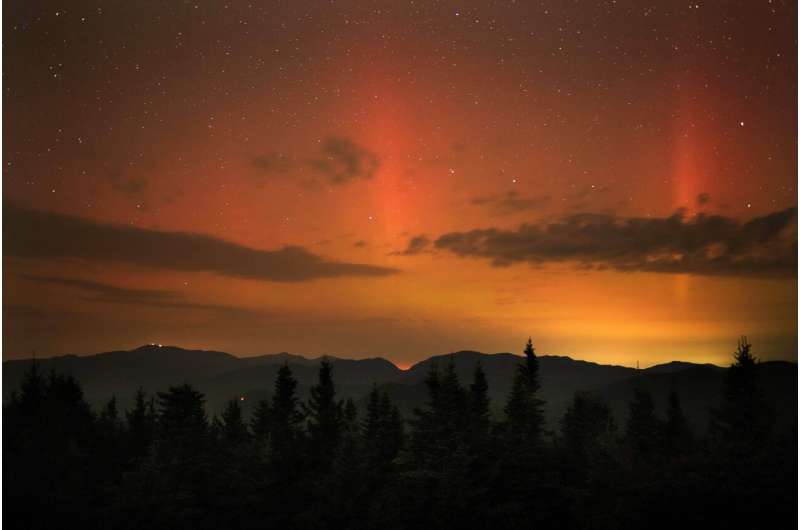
x=168 y=468
x=286 y=429
x=587 y=431
x=371 y=425
x=391 y=428
x=643 y=427
x=50 y=444
x=479 y=413
x=382 y=429
x=742 y=420
x=110 y=447
x=234 y=428
x=524 y=414
x=110 y=413
x=678 y=437
x=182 y=425
x=260 y=422
x=437 y=428
x=32 y=389
x=324 y=415
x=141 y=425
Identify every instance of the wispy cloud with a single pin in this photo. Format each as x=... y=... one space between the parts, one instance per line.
x=127 y=184
x=416 y=245
x=32 y=233
x=103 y=292
x=511 y=202
x=342 y=160
x=339 y=161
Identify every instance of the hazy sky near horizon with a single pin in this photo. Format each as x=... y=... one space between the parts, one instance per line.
x=400 y=179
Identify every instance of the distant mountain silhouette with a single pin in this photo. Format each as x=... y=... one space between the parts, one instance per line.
x=676 y=366
x=700 y=389
x=561 y=377
x=222 y=376
x=121 y=372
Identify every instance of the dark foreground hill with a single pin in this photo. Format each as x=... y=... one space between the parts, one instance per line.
x=219 y=375
x=222 y=376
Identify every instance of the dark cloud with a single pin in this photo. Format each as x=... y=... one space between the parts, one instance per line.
x=172 y=197
x=103 y=292
x=483 y=200
x=276 y=163
x=31 y=233
x=511 y=202
x=127 y=184
x=704 y=244
x=459 y=146
x=703 y=199
x=342 y=161
x=416 y=245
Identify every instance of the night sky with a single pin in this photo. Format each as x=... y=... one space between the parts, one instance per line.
x=400 y=179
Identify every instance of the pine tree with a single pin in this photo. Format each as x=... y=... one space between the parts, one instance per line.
x=110 y=439
x=677 y=434
x=587 y=432
x=32 y=390
x=110 y=413
x=324 y=418
x=423 y=423
x=391 y=427
x=66 y=405
x=173 y=478
x=433 y=383
x=743 y=419
x=182 y=427
x=346 y=486
x=382 y=429
x=350 y=416
x=233 y=428
x=285 y=421
x=479 y=414
x=452 y=412
x=260 y=423
x=348 y=457
x=372 y=428
x=643 y=426
x=441 y=427
x=351 y=431
x=372 y=420
x=50 y=440
x=525 y=418
x=741 y=429
x=140 y=427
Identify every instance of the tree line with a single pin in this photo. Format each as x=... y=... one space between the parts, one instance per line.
x=322 y=463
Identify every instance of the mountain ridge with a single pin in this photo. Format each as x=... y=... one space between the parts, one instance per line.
x=284 y=355
x=222 y=376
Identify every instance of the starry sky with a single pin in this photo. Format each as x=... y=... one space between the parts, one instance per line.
x=616 y=179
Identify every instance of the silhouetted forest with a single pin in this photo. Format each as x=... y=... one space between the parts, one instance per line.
x=320 y=464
